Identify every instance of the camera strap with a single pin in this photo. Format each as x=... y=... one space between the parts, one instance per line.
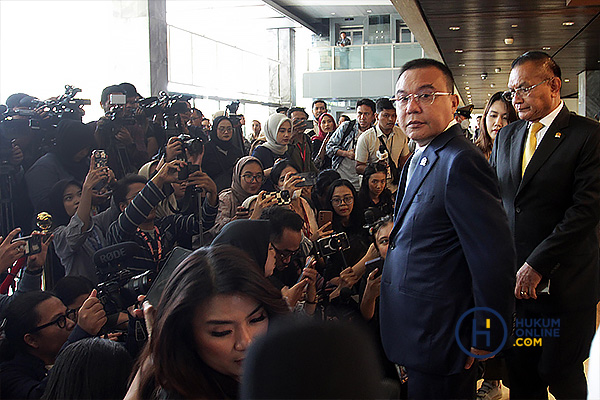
x=156 y=254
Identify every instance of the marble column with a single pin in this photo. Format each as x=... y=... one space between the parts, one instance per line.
x=157 y=30
x=589 y=93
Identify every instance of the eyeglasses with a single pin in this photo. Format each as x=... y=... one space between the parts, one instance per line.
x=227 y=129
x=336 y=201
x=249 y=178
x=61 y=321
x=509 y=95
x=285 y=253
x=423 y=99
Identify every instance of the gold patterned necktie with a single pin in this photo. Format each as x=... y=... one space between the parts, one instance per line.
x=531 y=144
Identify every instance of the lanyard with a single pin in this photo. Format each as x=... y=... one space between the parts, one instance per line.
x=156 y=255
x=302 y=152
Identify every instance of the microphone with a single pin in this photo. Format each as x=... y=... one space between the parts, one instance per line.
x=3 y=108
x=115 y=253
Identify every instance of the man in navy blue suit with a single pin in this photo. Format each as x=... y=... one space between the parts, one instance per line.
x=450 y=249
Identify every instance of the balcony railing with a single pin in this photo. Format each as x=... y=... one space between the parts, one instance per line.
x=368 y=56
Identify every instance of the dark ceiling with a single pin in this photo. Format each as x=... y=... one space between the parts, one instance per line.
x=484 y=25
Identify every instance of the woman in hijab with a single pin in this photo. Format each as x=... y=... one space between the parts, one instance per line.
x=278 y=132
x=327 y=126
x=247 y=179
x=68 y=159
x=220 y=153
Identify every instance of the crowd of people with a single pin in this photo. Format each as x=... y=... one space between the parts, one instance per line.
x=291 y=227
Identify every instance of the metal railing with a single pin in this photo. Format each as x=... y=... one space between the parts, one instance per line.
x=368 y=56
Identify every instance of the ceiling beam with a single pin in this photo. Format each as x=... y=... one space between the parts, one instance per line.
x=281 y=9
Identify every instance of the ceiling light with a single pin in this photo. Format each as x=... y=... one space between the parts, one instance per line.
x=455 y=28
x=369 y=11
x=514 y=25
x=567 y=80
x=498 y=70
x=489 y=94
x=458 y=50
x=492 y=85
x=332 y=13
x=468 y=92
x=509 y=40
x=568 y=23
x=462 y=65
x=467 y=88
x=546 y=48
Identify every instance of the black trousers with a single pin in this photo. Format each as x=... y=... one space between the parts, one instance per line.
x=556 y=365
x=429 y=386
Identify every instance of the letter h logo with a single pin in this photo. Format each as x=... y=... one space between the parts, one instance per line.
x=485 y=333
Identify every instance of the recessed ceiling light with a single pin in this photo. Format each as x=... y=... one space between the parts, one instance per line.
x=489 y=94
x=332 y=13
x=468 y=92
x=467 y=88
x=458 y=50
x=568 y=23
x=498 y=70
x=567 y=80
x=462 y=65
x=369 y=11
x=546 y=48
x=454 y=28
x=514 y=25
x=492 y=85
x=509 y=40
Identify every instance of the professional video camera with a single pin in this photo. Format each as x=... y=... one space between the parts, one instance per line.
x=170 y=106
x=118 y=113
x=121 y=283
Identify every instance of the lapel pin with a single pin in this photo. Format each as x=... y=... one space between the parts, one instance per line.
x=558 y=135
x=423 y=162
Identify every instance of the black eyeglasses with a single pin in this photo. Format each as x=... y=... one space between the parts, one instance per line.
x=61 y=321
x=248 y=178
x=285 y=253
x=336 y=201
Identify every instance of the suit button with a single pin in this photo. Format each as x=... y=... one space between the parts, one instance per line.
x=518 y=210
x=392 y=246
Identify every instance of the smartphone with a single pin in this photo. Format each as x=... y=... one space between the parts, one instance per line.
x=115 y=99
x=99 y=158
x=33 y=244
x=310 y=124
x=310 y=179
x=372 y=264
x=324 y=217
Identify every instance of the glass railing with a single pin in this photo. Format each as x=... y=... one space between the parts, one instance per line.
x=368 y=56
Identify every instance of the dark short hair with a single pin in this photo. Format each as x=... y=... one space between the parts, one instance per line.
x=68 y=288
x=194 y=109
x=384 y=104
x=280 y=219
x=121 y=188
x=14 y=100
x=539 y=57
x=325 y=179
x=282 y=109
x=109 y=90
x=426 y=63
x=294 y=109
x=366 y=102
x=347 y=118
x=129 y=89
x=319 y=101
x=278 y=169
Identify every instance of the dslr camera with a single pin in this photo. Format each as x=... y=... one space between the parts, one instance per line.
x=193 y=146
x=333 y=244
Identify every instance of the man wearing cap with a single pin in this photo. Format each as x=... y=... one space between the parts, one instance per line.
x=548 y=167
x=462 y=117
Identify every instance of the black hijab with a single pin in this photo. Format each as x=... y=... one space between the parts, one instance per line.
x=224 y=145
x=252 y=236
x=72 y=137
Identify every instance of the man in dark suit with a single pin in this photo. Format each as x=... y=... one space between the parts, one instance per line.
x=450 y=248
x=548 y=166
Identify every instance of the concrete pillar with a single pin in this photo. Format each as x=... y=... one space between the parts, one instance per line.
x=589 y=93
x=157 y=30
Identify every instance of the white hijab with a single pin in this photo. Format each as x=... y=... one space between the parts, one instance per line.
x=271 y=128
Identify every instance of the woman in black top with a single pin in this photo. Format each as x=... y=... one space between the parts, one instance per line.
x=221 y=154
x=373 y=192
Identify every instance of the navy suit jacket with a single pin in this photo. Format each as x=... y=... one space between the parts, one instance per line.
x=554 y=209
x=450 y=250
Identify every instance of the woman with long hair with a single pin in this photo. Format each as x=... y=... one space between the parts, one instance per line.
x=374 y=193
x=213 y=306
x=497 y=114
x=327 y=126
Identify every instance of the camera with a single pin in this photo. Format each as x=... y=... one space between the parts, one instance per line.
x=33 y=244
x=193 y=146
x=333 y=244
x=283 y=197
x=122 y=289
x=187 y=170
